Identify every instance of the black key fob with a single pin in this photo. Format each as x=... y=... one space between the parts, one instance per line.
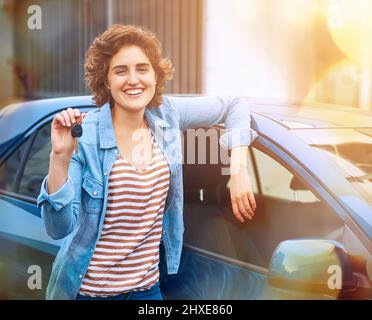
x=77 y=131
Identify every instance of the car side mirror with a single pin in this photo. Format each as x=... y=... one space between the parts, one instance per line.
x=297 y=185
x=316 y=266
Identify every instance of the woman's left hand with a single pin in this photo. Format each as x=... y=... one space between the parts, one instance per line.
x=242 y=197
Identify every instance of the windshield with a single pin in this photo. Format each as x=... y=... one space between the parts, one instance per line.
x=350 y=150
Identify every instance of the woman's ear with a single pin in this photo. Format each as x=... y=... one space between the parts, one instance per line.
x=106 y=85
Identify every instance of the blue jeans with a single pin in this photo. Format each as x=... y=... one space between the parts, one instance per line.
x=154 y=293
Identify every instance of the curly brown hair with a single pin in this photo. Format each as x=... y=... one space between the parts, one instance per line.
x=107 y=44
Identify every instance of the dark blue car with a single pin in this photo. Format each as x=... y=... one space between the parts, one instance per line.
x=311 y=171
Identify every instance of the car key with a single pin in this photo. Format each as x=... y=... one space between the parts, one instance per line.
x=76 y=132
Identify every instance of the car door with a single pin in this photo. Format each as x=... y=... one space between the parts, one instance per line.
x=26 y=251
x=225 y=259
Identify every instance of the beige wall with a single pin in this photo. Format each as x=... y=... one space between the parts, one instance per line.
x=53 y=57
x=6 y=53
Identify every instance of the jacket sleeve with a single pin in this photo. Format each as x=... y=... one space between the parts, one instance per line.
x=59 y=210
x=206 y=111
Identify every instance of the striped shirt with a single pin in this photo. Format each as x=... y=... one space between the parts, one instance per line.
x=126 y=257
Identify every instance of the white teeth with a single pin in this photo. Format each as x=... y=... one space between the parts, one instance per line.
x=133 y=91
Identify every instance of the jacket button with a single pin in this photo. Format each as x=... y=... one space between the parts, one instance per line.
x=80 y=276
x=95 y=193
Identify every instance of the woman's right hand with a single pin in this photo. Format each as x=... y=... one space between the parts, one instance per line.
x=63 y=142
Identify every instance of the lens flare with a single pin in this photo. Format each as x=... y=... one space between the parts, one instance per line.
x=350 y=25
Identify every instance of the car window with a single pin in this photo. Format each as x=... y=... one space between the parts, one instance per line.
x=37 y=164
x=286 y=209
x=349 y=149
x=9 y=169
x=277 y=182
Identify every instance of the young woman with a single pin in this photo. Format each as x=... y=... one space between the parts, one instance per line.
x=120 y=194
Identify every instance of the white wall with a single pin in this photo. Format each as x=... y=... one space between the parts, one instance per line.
x=259 y=48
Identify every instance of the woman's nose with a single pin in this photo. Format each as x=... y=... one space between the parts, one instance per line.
x=132 y=79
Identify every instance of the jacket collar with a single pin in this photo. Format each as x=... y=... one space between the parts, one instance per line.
x=107 y=137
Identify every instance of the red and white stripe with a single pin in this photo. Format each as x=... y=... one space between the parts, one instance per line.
x=126 y=256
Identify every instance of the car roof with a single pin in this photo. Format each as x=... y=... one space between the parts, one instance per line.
x=19 y=117
x=294 y=115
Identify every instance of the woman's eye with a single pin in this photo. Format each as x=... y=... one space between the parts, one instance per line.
x=143 y=69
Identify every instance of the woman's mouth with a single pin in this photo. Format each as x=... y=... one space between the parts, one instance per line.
x=133 y=93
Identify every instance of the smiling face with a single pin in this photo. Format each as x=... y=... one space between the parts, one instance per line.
x=131 y=79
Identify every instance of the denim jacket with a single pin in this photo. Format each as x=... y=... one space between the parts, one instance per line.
x=76 y=211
